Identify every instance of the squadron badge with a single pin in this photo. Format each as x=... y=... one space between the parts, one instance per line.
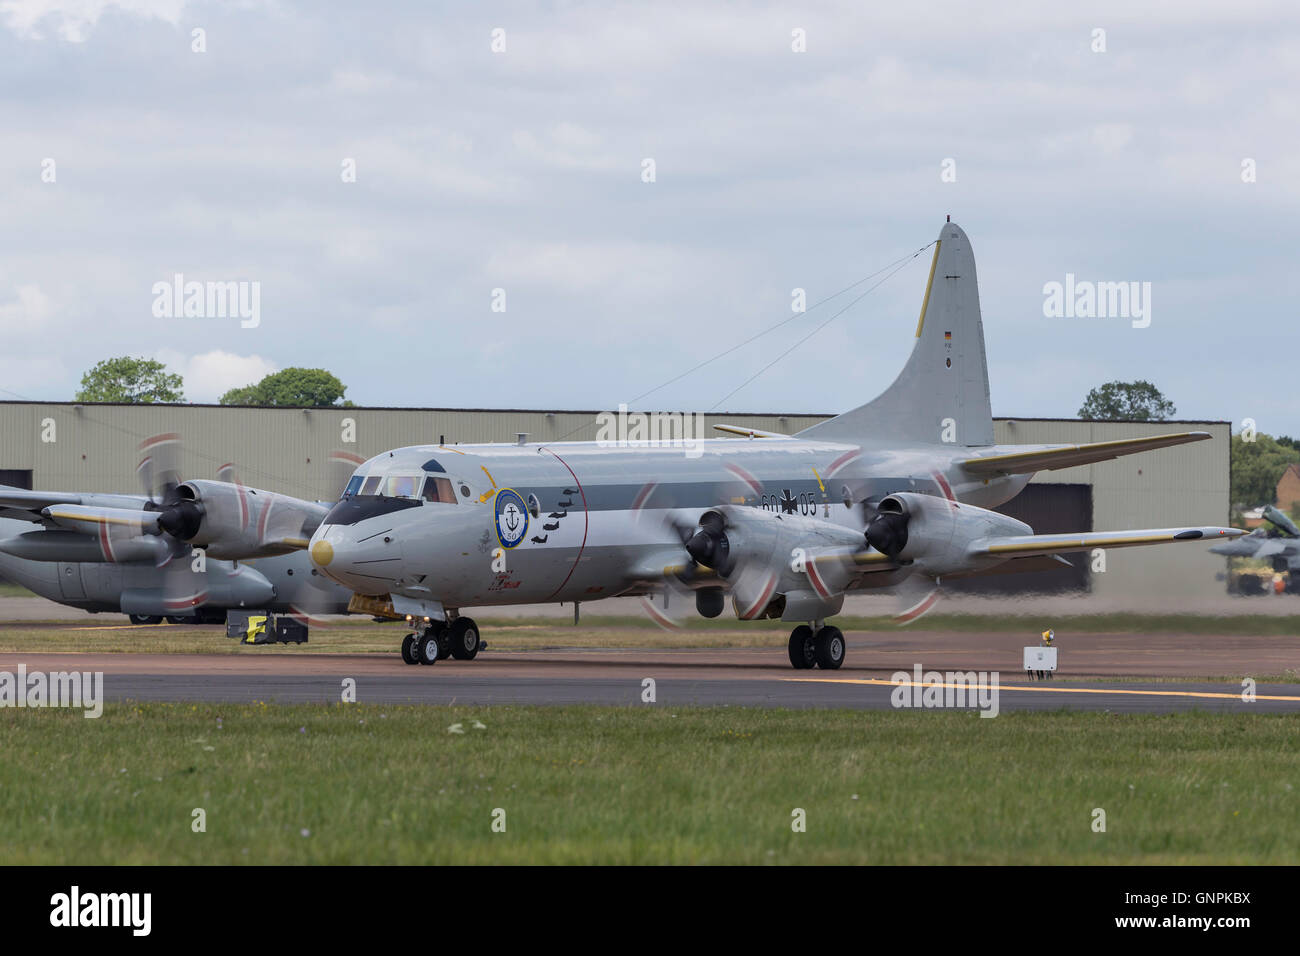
x=512 y=518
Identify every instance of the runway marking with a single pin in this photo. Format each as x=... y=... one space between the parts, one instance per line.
x=119 y=627
x=1042 y=690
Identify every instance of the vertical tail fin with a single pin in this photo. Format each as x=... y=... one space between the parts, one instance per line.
x=942 y=394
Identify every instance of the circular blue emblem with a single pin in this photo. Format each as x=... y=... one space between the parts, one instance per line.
x=512 y=518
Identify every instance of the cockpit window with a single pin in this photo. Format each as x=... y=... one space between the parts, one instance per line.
x=409 y=484
x=401 y=486
x=439 y=489
x=432 y=465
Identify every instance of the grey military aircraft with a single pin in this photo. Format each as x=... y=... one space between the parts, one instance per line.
x=787 y=525
x=187 y=550
x=1279 y=544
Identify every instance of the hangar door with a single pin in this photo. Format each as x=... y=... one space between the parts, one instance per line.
x=1048 y=509
x=16 y=478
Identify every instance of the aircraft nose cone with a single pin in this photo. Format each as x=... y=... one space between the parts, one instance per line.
x=322 y=553
x=360 y=559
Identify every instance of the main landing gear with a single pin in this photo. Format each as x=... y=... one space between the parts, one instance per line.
x=435 y=641
x=817 y=646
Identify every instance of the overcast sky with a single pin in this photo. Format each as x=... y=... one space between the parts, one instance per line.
x=522 y=170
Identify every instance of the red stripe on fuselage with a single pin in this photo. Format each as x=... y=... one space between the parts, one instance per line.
x=586 y=522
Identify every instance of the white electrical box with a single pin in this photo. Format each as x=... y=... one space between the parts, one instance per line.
x=1040 y=658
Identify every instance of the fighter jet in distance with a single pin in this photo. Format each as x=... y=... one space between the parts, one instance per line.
x=1280 y=544
x=786 y=525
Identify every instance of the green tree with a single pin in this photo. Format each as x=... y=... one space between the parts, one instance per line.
x=1138 y=401
x=291 y=386
x=1257 y=466
x=126 y=379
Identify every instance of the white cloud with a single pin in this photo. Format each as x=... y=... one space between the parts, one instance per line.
x=211 y=374
x=73 y=19
x=29 y=308
x=776 y=170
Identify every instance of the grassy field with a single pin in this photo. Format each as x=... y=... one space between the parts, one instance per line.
x=361 y=636
x=354 y=784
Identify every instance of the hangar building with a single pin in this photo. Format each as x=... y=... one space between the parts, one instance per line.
x=65 y=446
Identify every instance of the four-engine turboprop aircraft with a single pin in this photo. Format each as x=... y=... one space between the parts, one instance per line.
x=186 y=550
x=787 y=524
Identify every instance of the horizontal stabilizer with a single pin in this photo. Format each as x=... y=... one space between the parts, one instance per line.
x=1022 y=545
x=1067 y=456
x=748 y=432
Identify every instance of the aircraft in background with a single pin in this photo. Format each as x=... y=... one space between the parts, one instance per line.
x=1279 y=545
x=897 y=489
x=185 y=551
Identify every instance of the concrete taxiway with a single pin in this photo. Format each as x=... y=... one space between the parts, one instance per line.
x=757 y=677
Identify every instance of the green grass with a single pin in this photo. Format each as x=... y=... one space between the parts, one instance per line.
x=649 y=784
x=1032 y=624
x=362 y=636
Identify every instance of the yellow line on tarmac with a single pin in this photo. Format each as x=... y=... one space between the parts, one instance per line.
x=119 y=627
x=1041 y=690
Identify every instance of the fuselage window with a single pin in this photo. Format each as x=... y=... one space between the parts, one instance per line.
x=439 y=490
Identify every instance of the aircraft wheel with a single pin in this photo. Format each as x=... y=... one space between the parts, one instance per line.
x=803 y=648
x=173 y=619
x=830 y=648
x=408 y=649
x=444 y=645
x=144 y=619
x=463 y=635
x=426 y=647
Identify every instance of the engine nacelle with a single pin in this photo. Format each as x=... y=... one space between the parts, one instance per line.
x=935 y=534
x=772 y=556
x=223 y=585
x=234 y=521
x=74 y=547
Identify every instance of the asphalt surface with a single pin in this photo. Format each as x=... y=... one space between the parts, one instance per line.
x=749 y=677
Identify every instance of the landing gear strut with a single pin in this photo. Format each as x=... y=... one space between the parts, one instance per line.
x=434 y=641
x=823 y=647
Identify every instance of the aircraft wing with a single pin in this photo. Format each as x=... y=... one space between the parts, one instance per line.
x=28 y=505
x=16 y=499
x=1067 y=456
x=1030 y=544
x=1271 y=547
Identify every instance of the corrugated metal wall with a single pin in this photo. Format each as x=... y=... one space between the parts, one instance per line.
x=94 y=448
x=1187 y=484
